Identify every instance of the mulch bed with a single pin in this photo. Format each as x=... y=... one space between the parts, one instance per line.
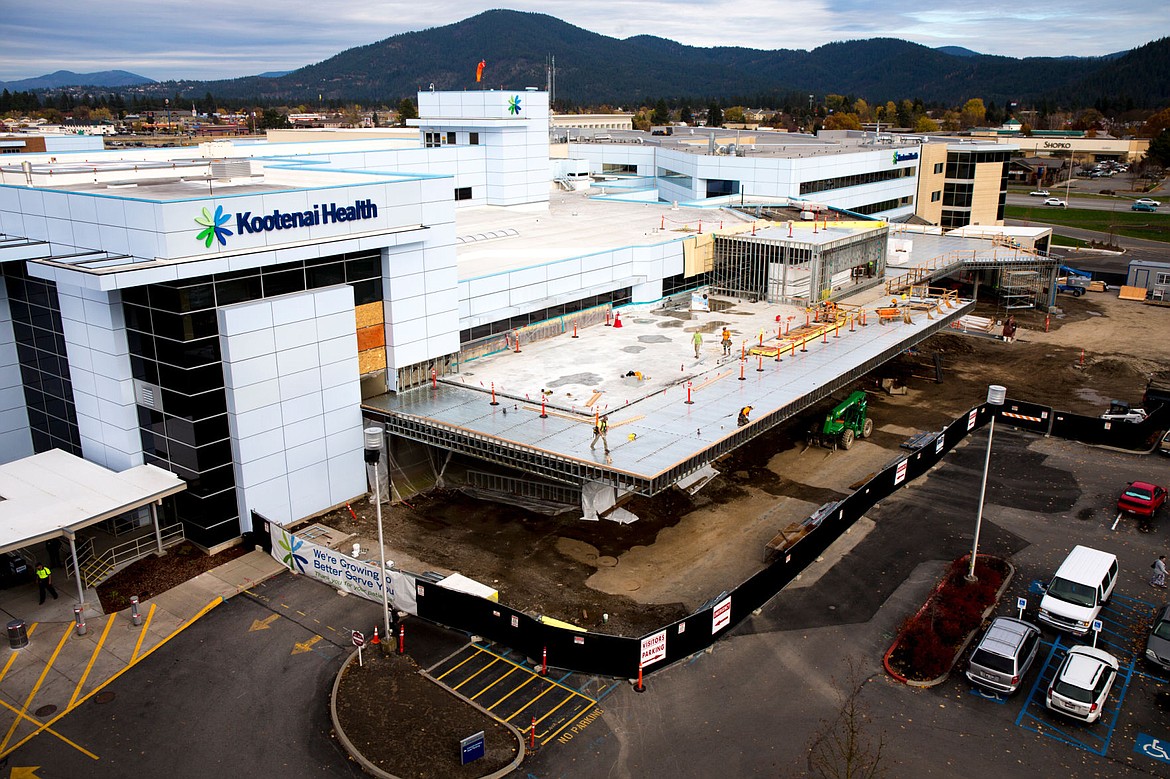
x=929 y=641
x=152 y=575
x=411 y=727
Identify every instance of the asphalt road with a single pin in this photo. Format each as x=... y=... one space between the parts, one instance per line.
x=245 y=689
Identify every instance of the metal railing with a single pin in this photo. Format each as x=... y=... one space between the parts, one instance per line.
x=99 y=566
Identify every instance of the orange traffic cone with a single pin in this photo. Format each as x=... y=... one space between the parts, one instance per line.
x=375 y=639
x=617 y=319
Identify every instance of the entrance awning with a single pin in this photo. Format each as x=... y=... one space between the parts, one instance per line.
x=55 y=494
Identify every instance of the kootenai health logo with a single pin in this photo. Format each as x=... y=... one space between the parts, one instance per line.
x=213 y=227
x=514 y=105
x=290 y=545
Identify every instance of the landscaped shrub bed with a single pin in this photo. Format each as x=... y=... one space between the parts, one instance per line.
x=928 y=641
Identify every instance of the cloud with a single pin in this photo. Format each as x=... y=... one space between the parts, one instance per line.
x=169 y=39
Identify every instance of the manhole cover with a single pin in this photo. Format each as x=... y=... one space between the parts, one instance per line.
x=104 y=697
x=633 y=585
x=605 y=561
x=45 y=710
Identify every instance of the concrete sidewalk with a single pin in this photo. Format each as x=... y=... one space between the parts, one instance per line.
x=59 y=670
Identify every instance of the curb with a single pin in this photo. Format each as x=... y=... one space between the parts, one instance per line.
x=962 y=647
x=381 y=774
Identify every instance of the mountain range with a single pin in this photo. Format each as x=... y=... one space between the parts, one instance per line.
x=67 y=78
x=593 y=69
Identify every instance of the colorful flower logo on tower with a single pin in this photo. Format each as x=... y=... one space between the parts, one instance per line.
x=213 y=227
x=514 y=105
x=290 y=545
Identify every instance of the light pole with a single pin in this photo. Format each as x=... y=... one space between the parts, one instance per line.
x=373 y=436
x=995 y=397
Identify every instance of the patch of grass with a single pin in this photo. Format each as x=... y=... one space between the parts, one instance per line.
x=1132 y=224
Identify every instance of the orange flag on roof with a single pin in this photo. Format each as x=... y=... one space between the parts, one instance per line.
x=479 y=71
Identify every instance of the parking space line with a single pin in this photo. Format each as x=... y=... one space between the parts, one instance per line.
x=20 y=715
x=93 y=658
x=477 y=673
x=460 y=665
x=494 y=682
x=198 y=615
x=530 y=702
x=553 y=682
x=509 y=694
x=1085 y=739
x=552 y=711
x=568 y=722
x=142 y=633
x=37 y=686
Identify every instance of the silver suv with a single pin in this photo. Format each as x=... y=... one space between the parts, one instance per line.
x=1004 y=654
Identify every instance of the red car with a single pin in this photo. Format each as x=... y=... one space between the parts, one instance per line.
x=1141 y=499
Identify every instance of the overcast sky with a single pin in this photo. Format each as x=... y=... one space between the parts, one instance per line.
x=211 y=39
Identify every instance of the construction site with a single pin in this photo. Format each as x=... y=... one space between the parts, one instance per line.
x=497 y=470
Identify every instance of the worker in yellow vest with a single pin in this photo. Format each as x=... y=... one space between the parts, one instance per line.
x=45 y=581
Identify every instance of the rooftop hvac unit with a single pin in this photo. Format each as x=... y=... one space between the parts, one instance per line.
x=223 y=170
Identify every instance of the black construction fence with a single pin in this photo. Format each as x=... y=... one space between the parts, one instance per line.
x=621 y=656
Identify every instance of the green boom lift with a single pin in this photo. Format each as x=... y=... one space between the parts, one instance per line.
x=847 y=421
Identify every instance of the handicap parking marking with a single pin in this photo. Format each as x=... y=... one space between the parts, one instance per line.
x=988 y=695
x=1151 y=747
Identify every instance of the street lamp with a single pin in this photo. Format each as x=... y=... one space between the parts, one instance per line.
x=374 y=436
x=995 y=397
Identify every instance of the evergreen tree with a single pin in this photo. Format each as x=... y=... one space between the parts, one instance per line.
x=714 y=115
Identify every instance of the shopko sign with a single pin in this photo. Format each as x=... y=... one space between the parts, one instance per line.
x=216 y=226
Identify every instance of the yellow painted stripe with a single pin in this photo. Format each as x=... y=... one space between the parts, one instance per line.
x=93 y=658
x=471 y=657
x=37 y=686
x=104 y=684
x=544 y=679
x=549 y=713
x=509 y=694
x=569 y=721
x=477 y=673
x=142 y=633
x=14 y=653
x=36 y=721
x=493 y=684
x=531 y=701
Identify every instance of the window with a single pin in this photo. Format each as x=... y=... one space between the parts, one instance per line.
x=1162 y=279
x=431 y=140
x=451 y=138
x=936 y=196
x=938 y=167
x=463 y=193
x=840 y=182
x=473 y=139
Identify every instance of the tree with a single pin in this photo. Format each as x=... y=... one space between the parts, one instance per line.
x=685 y=114
x=642 y=121
x=272 y=119
x=925 y=125
x=1026 y=130
x=863 y=111
x=1156 y=124
x=1159 y=150
x=734 y=114
x=714 y=115
x=661 y=113
x=842 y=122
x=406 y=110
x=905 y=114
x=973 y=113
x=845 y=747
x=890 y=113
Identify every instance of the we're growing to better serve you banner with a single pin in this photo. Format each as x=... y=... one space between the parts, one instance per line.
x=342 y=571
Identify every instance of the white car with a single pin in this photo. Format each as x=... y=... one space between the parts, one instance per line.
x=1145 y=201
x=1039 y=193
x=1055 y=201
x=1134 y=415
x=1082 y=684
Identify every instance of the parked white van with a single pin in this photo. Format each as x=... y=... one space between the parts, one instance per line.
x=1082 y=584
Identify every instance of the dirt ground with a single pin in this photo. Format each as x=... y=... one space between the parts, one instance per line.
x=400 y=739
x=686 y=550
